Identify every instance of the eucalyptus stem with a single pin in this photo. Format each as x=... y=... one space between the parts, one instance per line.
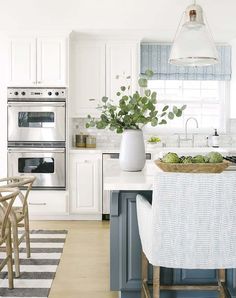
x=133 y=111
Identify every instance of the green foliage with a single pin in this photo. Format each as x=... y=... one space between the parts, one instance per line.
x=154 y=140
x=133 y=111
x=186 y=159
x=198 y=159
x=215 y=157
x=171 y=157
x=212 y=157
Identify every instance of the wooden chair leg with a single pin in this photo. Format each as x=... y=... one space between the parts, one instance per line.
x=144 y=289
x=9 y=256
x=156 y=282
x=16 y=249
x=27 y=234
x=221 y=279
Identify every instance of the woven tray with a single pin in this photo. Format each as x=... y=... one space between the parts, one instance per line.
x=193 y=167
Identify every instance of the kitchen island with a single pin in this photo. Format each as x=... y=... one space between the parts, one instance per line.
x=125 y=245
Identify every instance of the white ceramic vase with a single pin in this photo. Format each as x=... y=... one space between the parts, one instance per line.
x=132 y=151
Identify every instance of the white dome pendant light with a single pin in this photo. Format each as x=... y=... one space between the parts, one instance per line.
x=193 y=44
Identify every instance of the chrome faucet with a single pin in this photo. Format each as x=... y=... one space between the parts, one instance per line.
x=186 y=132
x=186 y=126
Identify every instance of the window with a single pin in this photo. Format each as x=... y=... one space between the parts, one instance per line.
x=207 y=101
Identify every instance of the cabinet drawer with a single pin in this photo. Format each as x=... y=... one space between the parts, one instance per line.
x=48 y=202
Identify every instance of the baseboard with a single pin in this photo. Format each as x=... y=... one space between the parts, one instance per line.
x=67 y=217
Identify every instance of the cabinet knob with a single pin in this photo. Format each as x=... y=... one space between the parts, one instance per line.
x=39 y=82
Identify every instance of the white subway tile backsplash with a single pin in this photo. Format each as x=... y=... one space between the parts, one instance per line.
x=110 y=139
x=232 y=126
x=104 y=138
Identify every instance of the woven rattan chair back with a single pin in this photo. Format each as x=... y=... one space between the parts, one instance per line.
x=24 y=183
x=20 y=215
x=7 y=198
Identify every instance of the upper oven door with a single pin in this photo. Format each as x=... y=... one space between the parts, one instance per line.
x=36 y=121
x=47 y=165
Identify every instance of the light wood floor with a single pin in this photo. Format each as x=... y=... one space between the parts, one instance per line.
x=84 y=268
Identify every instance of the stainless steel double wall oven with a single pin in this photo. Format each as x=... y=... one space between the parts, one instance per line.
x=37 y=135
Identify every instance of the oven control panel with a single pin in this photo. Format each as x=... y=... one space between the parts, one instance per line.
x=36 y=93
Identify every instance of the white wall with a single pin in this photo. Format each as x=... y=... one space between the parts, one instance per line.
x=3 y=107
x=157 y=18
x=233 y=81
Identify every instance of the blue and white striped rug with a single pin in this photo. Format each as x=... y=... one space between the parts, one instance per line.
x=37 y=272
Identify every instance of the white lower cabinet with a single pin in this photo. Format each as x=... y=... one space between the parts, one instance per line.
x=86 y=185
x=51 y=203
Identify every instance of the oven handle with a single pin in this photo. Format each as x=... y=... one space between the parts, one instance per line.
x=38 y=150
x=37 y=104
x=38 y=204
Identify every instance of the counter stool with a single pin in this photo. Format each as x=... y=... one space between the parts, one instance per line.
x=7 y=198
x=191 y=224
x=20 y=216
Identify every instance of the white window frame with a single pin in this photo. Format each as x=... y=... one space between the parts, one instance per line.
x=224 y=92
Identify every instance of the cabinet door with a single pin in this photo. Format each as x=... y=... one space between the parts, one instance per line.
x=121 y=60
x=52 y=61
x=86 y=184
x=22 y=61
x=87 y=77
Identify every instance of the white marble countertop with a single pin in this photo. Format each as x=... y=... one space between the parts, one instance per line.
x=116 y=179
x=155 y=150
x=95 y=150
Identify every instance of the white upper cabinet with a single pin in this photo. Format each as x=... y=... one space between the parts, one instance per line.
x=51 y=61
x=87 y=77
x=121 y=60
x=22 y=62
x=94 y=67
x=38 y=61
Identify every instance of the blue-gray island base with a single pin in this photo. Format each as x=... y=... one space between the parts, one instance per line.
x=125 y=256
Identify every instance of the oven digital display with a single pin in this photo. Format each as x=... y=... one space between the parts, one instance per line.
x=36 y=165
x=35 y=93
x=36 y=119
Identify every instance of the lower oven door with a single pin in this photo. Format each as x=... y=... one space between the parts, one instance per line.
x=47 y=165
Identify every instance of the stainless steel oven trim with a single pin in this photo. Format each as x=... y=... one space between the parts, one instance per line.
x=36 y=93
x=39 y=150
x=37 y=104
x=39 y=145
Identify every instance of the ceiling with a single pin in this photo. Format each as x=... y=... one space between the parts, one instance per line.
x=151 y=19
